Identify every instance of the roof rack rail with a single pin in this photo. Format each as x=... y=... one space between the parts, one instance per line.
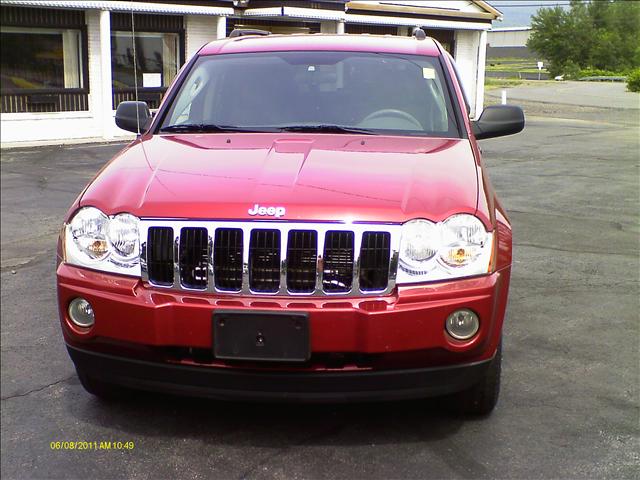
x=244 y=32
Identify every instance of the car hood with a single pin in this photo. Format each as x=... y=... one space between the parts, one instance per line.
x=314 y=177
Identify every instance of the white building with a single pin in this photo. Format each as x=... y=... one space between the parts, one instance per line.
x=508 y=37
x=66 y=64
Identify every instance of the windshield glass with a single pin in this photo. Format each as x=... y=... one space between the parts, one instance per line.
x=332 y=92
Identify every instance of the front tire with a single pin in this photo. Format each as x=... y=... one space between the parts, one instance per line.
x=482 y=398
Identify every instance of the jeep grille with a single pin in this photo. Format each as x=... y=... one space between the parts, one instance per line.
x=270 y=258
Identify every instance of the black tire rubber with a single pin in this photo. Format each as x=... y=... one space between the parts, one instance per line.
x=102 y=390
x=482 y=398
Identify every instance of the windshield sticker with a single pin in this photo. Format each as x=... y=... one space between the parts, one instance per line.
x=429 y=73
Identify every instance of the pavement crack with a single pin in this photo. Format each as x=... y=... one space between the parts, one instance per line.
x=16 y=263
x=568 y=250
x=35 y=390
x=573 y=175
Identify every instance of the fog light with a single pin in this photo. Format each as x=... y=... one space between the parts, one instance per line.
x=81 y=312
x=462 y=324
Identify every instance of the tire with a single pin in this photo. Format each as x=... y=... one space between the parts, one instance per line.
x=482 y=398
x=100 y=389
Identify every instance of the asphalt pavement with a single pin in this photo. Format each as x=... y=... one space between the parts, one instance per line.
x=609 y=95
x=569 y=406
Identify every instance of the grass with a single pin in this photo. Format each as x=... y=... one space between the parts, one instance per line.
x=513 y=65
x=492 y=83
x=510 y=60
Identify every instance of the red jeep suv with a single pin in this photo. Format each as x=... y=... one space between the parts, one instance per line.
x=305 y=218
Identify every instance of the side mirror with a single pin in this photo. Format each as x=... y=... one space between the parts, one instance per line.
x=497 y=121
x=131 y=114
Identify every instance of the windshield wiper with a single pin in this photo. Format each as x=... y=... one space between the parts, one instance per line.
x=210 y=127
x=326 y=128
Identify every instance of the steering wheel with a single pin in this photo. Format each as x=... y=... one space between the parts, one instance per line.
x=392 y=112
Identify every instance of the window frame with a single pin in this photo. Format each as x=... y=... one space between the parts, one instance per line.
x=83 y=57
x=141 y=34
x=168 y=105
x=147 y=23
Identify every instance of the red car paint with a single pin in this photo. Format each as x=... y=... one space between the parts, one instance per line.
x=318 y=177
x=313 y=175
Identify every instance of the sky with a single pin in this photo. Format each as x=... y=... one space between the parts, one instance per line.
x=517 y=13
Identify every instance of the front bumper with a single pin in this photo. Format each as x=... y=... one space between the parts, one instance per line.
x=393 y=346
x=232 y=384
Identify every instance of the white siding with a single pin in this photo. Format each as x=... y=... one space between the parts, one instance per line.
x=466 y=56
x=329 y=27
x=460 y=5
x=202 y=29
x=509 y=38
x=482 y=59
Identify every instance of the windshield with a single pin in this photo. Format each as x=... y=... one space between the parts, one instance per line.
x=332 y=92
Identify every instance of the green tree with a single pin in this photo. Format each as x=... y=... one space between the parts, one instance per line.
x=603 y=34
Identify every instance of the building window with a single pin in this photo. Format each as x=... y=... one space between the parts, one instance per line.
x=41 y=59
x=44 y=66
x=43 y=70
x=159 y=55
x=157 y=59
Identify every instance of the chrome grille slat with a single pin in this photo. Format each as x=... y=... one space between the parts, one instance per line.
x=177 y=284
x=246 y=235
x=320 y=261
x=308 y=259
x=284 y=246
x=211 y=278
x=357 y=247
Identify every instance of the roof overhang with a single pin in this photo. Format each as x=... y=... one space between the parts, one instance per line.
x=486 y=6
x=120 y=6
x=417 y=22
x=295 y=12
x=511 y=29
x=489 y=13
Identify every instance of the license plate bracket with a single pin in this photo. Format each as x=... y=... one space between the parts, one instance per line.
x=261 y=336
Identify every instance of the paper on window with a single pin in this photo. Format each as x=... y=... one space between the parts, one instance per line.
x=150 y=80
x=428 y=73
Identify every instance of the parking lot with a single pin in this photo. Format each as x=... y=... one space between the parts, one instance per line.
x=569 y=406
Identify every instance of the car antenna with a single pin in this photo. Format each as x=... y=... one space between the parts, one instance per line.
x=135 y=72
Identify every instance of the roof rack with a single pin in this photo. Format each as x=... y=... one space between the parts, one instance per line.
x=244 y=32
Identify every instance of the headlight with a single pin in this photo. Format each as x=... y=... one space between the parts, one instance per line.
x=88 y=232
x=463 y=241
x=458 y=247
x=419 y=246
x=123 y=237
x=94 y=240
